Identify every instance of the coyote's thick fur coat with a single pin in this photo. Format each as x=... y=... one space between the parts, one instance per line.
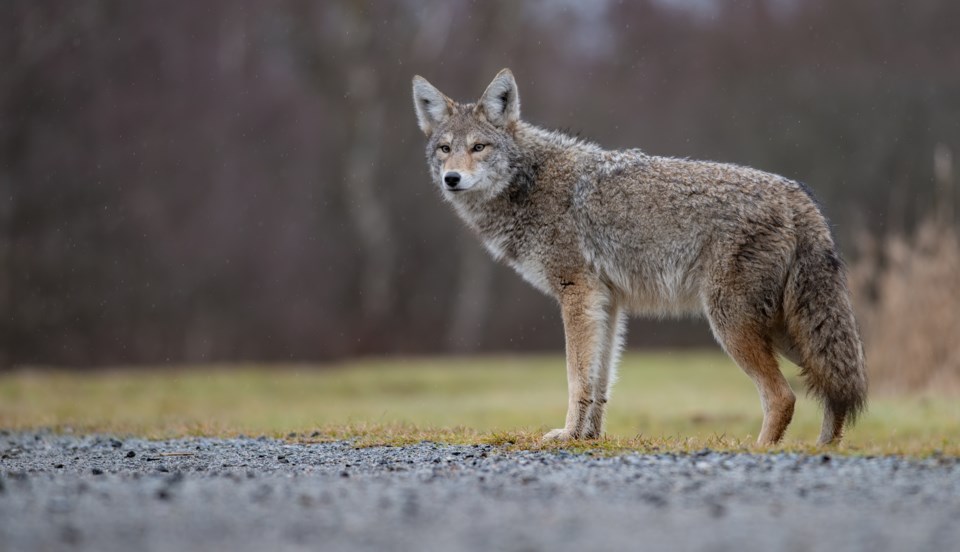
x=613 y=233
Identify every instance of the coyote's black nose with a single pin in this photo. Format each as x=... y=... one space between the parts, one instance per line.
x=451 y=179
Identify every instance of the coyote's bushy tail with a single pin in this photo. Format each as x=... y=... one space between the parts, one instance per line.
x=820 y=320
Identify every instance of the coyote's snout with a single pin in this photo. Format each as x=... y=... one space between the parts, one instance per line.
x=613 y=233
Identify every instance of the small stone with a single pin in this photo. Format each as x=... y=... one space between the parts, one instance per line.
x=262 y=493
x=70 y=535
x=717 y=510
x=654 y=499
x=344 y=473
x=174 y=478
x=130 y=454
x=96 y=471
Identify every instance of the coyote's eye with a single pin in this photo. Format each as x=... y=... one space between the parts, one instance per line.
x=479 y=147
x=444 y=148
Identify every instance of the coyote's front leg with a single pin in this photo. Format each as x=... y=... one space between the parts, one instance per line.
x=606 y=370
x=583 y=305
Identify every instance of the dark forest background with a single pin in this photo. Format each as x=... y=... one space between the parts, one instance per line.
x=245 y=180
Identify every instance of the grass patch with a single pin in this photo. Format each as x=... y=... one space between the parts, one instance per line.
x=663 y=402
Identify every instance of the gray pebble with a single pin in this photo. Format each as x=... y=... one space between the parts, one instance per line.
x=259 y=493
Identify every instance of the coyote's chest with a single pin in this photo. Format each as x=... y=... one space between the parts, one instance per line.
x=529 y=266
x=534 y=272
x=532 y=233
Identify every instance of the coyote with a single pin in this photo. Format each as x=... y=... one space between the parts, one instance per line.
x=614 y=233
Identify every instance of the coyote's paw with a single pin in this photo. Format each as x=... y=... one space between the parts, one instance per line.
x=591 y=433
x=558 y=435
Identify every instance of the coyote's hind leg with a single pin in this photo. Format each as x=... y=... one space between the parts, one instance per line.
x=753 y=351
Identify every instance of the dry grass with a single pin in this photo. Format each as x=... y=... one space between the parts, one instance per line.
x=398 y=434
x=663 y=402
x=907 y=291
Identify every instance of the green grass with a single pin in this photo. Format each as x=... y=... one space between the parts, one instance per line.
x=663 y=401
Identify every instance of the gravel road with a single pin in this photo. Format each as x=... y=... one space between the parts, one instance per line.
x=100 y=493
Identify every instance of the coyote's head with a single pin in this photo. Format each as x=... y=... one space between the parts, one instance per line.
x=469 y=146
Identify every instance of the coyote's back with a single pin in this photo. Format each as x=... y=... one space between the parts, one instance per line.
x=612 y=233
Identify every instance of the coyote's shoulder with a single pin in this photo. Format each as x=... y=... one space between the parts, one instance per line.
x=615 y=232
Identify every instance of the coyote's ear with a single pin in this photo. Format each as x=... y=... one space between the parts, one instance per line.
x=500 y=103
x=433 y=108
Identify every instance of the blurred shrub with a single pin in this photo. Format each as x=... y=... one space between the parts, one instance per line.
x=907 y=290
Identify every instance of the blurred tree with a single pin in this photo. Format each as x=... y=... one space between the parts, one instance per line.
x=245 y=180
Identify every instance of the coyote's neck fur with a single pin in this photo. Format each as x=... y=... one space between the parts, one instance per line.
x=537 y=191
